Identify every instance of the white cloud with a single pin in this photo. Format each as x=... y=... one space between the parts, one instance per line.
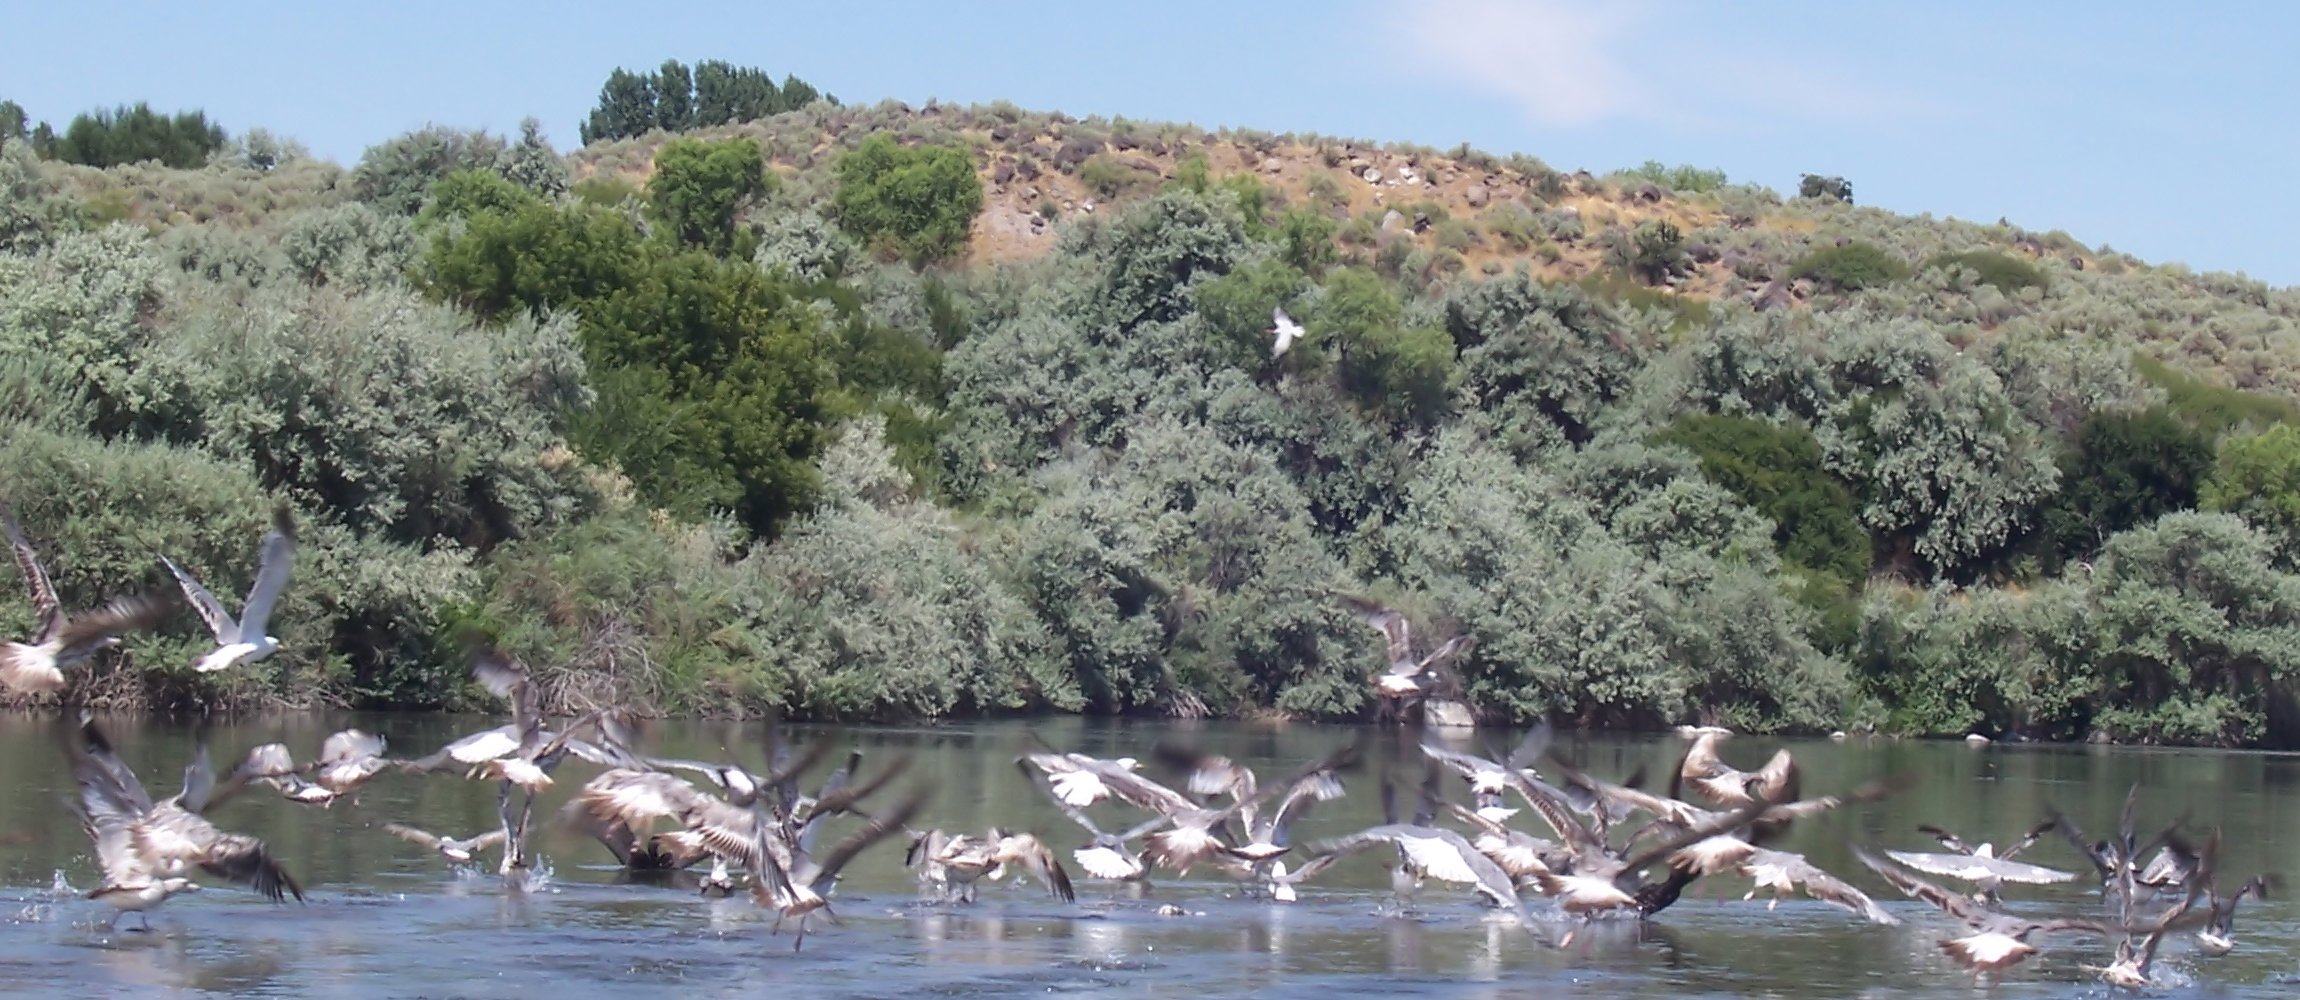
x=1554 y=58
x=1579 y=62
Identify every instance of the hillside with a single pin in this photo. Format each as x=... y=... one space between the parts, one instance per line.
x=910 y=413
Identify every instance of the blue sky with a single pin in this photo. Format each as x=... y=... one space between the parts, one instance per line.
x=2166 y=131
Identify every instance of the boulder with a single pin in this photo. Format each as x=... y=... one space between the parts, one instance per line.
x=1447 y=714
x=1477 y=196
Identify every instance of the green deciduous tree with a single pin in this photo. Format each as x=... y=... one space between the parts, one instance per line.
x=918 y=201
x=1777 y=469
x=1387 y=366
x=700 y=189
x=2121 y=470
x=2258 y=478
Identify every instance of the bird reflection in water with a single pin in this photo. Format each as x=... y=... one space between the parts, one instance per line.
x=969 y=939
x=1100 y=943
x=162 y=960
x=1407 y=943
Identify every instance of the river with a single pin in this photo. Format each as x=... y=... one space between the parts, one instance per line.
x=385 y=918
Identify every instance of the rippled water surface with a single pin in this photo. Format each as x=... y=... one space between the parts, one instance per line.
x=388 y=919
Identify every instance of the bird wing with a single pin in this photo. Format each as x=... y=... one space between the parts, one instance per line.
x=495 y=671
x=246 y=860
x=1468 y=765
x=1041 y=862
x=1822 y=885
x=1320 y=786
x=638 y=798
x=1974 y=869
x=415 y=836
x=350 y=745
x=1778 y=780
x=1950 y=840
x=1283 y=323
x=2026 y=841
x=205 y=605
x=94 y=764
x=47 y=612
x=81 y=636
x=199 y=778
x=819 y=874
x=1394 y=628
x=487 y=744
x=271 y=575
x=1954 y=904
x=111 y=823
x=1446 y=652
x=1039 y=774
x=1140 y=791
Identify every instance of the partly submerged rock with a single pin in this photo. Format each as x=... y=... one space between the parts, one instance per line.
x=1447 y=713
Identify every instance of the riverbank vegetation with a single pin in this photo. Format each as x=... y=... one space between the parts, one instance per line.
x=882 y=412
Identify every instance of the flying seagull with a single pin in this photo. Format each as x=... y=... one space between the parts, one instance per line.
x=58 y=642
x=146 y=847
x=244 y=641
x=1287 y=330
x=454 y=849
x=1410 y=676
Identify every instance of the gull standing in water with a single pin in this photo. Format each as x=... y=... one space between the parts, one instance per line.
x=244 y=641
x=966 y=860
x=57 y=641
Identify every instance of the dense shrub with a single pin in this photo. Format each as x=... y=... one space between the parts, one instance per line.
x=397 y=174
x=1777 y=469
x=2004 y=273
x=2258 y=477
x=2215 y=409
x=700 y=188
x=2122 y=470
x=1851 y=267
x=1683 y=178
x=916 y=201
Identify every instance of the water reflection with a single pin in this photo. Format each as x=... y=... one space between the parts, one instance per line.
x=389 y=918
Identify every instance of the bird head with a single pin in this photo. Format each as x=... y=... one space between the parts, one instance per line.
x=1128 y=763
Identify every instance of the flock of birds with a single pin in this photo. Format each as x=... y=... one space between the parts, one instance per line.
x=1599 y=850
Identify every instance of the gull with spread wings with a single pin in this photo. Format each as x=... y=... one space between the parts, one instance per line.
x=146 y=846
x=244 y=640
x=1999 y=939
x=456 y=849
x=58 y=641
x=1411 y=677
